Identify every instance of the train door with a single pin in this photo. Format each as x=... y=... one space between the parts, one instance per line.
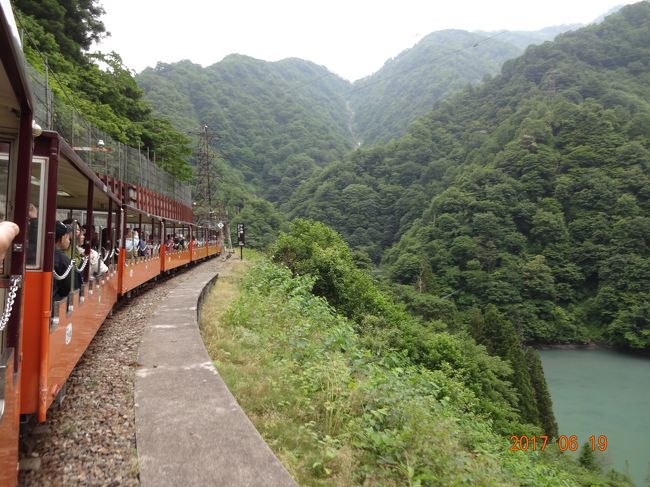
x=5 y=264
x=9 y=329
x=14 y=154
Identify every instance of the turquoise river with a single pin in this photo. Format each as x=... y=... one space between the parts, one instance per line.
x=599 y=392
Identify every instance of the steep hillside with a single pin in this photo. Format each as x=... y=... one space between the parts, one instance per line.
x=441 y=64
x=279 y=122
x=522 y=38
x=530 y=192
x=276 y=122
x=408 y=85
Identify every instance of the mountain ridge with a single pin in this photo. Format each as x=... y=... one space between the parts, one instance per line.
x=530 y=192
x=280 y=121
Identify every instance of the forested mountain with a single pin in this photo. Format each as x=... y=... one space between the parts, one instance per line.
x=523 y=38
x=279 y=122
x=517 y=209
x=276 y=122
x=529 y=192
x=442 y=63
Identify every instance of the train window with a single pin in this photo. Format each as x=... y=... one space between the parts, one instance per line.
x=98 y=242
x=34 y=214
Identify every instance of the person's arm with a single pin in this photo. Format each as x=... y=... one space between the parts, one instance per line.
x=62 y=287
x=8 y=231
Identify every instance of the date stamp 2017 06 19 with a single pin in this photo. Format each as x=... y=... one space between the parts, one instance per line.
x=564 y=442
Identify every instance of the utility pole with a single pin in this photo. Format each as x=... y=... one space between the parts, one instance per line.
x=205 y=174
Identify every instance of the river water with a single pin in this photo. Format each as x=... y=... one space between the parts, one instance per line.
x=599 y=392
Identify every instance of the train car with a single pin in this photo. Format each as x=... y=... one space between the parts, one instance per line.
x=176 y=250
x=15 y=154
x=110 y=236
x=199 y=244
x=58 y=326
x=214 y=242
x=131 y=246
x=140 y=249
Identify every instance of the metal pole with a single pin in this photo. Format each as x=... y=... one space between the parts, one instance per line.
x=140 y=162
x=99 y=251
x=48 y=100
x=73 y=254
x=105 y=166
x=119 y=166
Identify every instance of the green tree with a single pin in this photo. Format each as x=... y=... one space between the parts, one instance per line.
x=500 y=338
x=75 y=24
x=542 y=394
x=587 y=458
x=97 y=85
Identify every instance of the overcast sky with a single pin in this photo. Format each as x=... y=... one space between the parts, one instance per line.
x=352 y=38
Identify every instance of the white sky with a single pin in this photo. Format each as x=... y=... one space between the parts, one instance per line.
x=352 y=38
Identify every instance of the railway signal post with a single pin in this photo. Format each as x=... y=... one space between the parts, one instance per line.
x=241 y=240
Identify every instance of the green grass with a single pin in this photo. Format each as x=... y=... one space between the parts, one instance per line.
x=337 y=414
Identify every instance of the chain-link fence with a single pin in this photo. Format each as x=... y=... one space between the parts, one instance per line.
x=97 y=149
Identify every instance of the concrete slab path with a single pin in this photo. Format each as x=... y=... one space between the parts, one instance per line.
x=190 y=431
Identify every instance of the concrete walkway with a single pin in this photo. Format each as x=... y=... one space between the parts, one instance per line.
x=189 y=428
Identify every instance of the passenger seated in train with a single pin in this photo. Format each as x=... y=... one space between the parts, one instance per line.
x=169 y=243
x=179 y=242
x=61 y=288
x=80 y=236
x=128 y=240
x=97 y=265
x=107 y=244
x=131 y=242
x=143 y=249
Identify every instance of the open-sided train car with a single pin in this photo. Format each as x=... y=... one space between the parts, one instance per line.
x=15 y=153
x=44 y=182
x=58 y=331
x=140 y=254
x=132 y=248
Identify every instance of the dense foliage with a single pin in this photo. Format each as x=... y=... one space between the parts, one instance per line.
x=339 y=407
x=276 y=122
x=74 y=24
x=530 y=192
x=407 y=86
x=313 y=249
x=280 y=122
x=97 y=85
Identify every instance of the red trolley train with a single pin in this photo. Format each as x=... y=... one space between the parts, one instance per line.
x=126 y=235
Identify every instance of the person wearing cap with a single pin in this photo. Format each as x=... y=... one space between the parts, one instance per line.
x=61 y=288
